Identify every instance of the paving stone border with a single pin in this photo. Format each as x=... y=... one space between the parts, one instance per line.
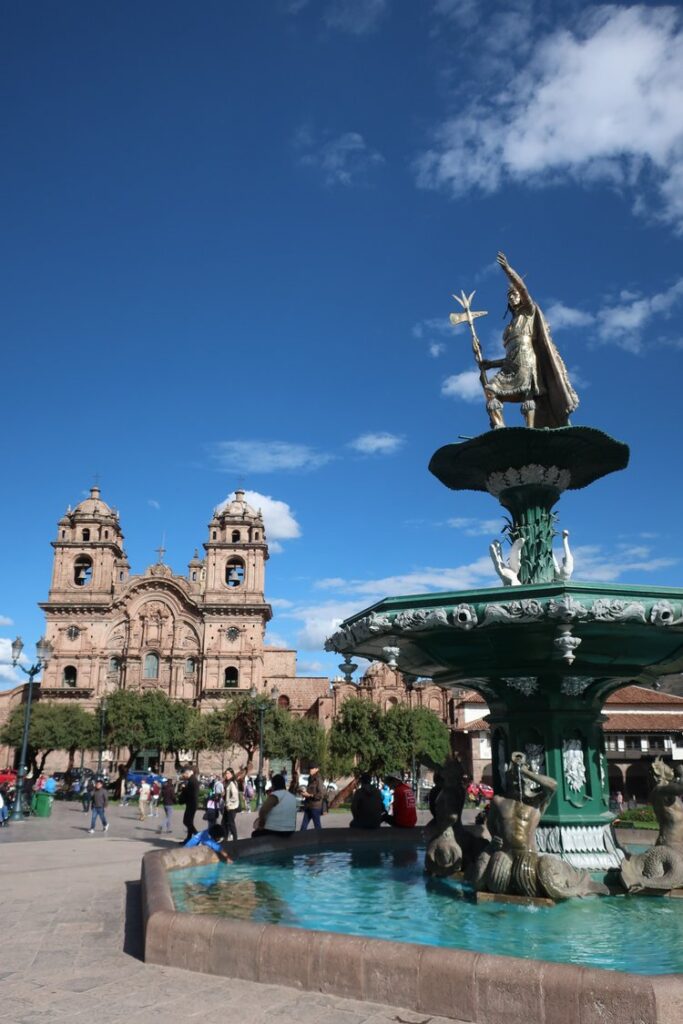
x=474 y=987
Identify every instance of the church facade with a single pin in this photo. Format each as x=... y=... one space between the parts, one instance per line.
x=198 y=637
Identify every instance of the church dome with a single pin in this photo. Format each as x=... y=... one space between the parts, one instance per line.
x=236 y=507
x=93 y=506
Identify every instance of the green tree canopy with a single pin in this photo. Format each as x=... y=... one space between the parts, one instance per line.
x=54 y=726
x=148 y=720
x=364 y=738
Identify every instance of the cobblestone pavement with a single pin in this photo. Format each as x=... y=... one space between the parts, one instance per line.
x=72 y=938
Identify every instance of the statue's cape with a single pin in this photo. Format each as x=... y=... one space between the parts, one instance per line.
x=558 y=400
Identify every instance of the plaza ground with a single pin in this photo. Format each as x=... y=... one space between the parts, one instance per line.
x=72 y=939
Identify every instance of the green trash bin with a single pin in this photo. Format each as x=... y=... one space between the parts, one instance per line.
x=41 y=805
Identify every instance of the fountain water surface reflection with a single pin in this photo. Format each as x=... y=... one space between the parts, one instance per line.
x=386 y=895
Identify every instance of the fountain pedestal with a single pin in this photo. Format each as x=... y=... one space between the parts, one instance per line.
x=544 y=654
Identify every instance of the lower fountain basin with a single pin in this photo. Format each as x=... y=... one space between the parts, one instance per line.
x=426 y=974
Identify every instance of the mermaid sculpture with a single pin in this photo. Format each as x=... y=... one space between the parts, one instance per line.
x=448 y=842
x=511 y=864
x=660 y=868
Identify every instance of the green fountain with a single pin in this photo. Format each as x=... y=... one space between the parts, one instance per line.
x=545 y=651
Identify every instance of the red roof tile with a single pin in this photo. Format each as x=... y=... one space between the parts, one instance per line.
x=642 y=695
x=645 y=722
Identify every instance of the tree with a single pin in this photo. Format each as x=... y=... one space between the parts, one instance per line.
x=356 y=739
x=53 y=727
x=364 y=738
x=148 y=720
x=294 y=738
x=414 y=733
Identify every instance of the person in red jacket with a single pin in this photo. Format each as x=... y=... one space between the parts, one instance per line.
x=404 y=811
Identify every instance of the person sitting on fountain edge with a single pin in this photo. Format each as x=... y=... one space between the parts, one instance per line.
x=367 y=806
x=404 y=812
x=211 y=837
x=277 y=816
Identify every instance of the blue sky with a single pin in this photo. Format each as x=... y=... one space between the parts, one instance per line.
x=230 y=235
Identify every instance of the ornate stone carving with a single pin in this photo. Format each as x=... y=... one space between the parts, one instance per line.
x=507 y=569
x=526 y=685
x=573 y=764
x=566 y=609
x=606 y=610
x=512 y=611
x=535 y=757
x=391 y=654
x=573 y=686
x=464 y=616
x=663 y=614
x=531 y=474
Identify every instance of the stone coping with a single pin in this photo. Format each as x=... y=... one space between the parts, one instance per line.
x=473 y=987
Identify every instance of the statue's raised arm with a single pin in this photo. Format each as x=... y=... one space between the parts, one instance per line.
x=515 y=279
x=532 y=371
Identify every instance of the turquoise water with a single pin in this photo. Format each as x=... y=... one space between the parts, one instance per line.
x=386 y=895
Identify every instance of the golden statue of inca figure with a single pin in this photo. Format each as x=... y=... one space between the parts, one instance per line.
x=532 y=371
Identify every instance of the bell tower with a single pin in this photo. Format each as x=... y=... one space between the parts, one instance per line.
x=89 y=557
x=236 y=611
x=89 y=567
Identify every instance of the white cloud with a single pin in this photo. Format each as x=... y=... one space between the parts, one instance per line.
x=311 y=668
x=153 y=503
x=591 y=562
x=346 y=160
x=598 y=102
x=377 y=444
x=358 y=17
x=6 y=621
x=280 y=602
x=436 y=349
x=465 y=385
x=476 y=527
x=10 y=676
x=560 y=316
x=265 y=456
x=276 y=640
x=623 y=323
x=278 y=518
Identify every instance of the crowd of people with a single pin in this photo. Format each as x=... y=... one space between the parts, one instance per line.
x=220 y=798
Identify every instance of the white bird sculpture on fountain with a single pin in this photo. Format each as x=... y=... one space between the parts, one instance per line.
x=508 y=571
x=564 y=571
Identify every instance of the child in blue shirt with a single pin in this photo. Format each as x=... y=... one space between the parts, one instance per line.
x=211 y=837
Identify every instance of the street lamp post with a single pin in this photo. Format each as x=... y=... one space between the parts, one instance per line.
x=43 y=651
x=103 y=715
x=263 y=707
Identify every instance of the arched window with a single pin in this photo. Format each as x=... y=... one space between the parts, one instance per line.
x=106 y=534
x=231 y=676
x=69 y=675
x=214 y=535
x=391 y=703
x=63 y=534
x=86 y=535
x=256 y=535
x=114 y=666
x=234 y=572
x=194 y=575
x=236 y=536
x=151 y=666
x=82 y=571
x=283 y=702
x=190 y=667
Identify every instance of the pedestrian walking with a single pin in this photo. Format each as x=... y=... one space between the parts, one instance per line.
x=232 y=804
x=87 y=795
x=100 y=801
x=313 y=799
x=167 y=801
x=143 y=800
x=154 y=793
x=190 y=798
